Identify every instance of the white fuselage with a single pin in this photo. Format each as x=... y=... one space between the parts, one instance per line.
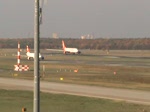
x=71 y=50
x=31 y=55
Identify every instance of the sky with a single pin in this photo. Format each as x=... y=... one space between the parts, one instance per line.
x=75 y=18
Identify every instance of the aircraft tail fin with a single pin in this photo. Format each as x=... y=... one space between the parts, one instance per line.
x=63 y=45
x=28 y=49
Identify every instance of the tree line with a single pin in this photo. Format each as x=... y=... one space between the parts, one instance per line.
x=100 y=44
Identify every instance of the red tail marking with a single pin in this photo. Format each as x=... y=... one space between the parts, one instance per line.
x=63 y=45
x=28 y=50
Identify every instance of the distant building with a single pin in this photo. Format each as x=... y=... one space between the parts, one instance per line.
x=55 y=36
x=83 y=37
x=87 y=36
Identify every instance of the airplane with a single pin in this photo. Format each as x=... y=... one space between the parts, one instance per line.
x=31 y=55
x=67 y=50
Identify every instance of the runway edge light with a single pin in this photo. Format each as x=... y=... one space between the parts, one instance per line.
x=61 y=78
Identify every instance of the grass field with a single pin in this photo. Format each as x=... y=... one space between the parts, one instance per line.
x=121 y=69
x=118 y=69
x=14 y=101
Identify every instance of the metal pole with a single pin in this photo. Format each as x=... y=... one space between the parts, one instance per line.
x=36 y=59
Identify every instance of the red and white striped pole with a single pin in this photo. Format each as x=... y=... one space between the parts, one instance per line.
x=18 y=57
x=20 y=67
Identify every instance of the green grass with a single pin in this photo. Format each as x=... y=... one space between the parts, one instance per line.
x=13 y=101
x=90 y=72
x=94 y=68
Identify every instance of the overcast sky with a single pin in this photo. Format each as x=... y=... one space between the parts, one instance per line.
x=73 y=18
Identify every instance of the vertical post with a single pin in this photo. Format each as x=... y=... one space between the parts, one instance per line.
x=18 y=58
x=43 y=71
x=36 y=59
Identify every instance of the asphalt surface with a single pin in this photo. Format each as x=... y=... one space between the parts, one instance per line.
x=133 y=96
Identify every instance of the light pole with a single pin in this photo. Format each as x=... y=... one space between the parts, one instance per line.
x=36 y=59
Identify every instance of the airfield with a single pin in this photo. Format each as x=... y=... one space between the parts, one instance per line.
x=118 y=75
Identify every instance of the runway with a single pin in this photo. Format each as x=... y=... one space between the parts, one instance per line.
x=133 y=96
x=102 y=61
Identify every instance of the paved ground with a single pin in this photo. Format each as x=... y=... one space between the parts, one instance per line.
x=134 y=96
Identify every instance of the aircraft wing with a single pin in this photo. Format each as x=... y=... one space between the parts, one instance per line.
x=55 y=50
